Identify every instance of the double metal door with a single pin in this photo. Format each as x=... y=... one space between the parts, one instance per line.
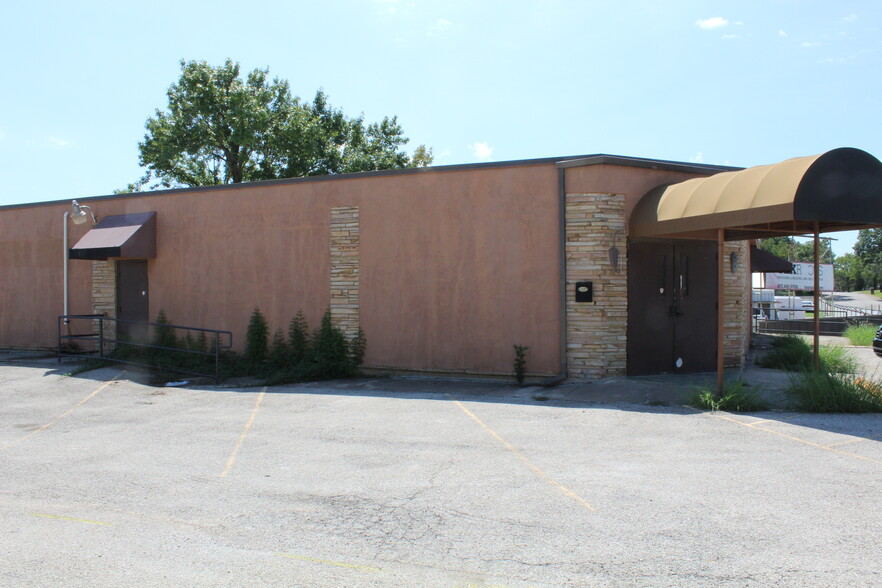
x=672 y=303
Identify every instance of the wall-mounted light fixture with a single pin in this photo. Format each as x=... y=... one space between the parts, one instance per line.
x=733 y=261
x=613 y=251
x=614 y=258
x=79 y=214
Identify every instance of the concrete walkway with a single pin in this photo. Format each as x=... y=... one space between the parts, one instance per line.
x=659 y=390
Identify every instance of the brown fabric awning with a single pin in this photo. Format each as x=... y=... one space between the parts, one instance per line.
x=763 y=261
x=841 y=190
x=122 y=235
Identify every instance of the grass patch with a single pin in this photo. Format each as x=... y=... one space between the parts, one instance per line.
x=825 y=392
x=737 y=396
x=861 y=334
x=794 y=354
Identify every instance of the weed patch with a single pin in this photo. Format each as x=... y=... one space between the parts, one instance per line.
x=737 y=396
x=861 y=334
x=793 y=354
x=824 y=392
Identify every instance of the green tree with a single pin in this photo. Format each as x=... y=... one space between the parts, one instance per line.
x=792 y=250
x=848 y=273
x=868 y=248
x=220 y=128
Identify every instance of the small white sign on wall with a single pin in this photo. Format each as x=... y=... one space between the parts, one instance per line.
x=802 y=278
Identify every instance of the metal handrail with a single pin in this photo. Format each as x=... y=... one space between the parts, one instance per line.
x=101 y=340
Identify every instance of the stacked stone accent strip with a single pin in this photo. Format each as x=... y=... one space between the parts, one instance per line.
x=104 y=295
x=344 y=269
x=736 y=307
x=596 y=331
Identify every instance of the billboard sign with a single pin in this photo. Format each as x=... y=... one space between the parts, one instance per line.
x=802 y=278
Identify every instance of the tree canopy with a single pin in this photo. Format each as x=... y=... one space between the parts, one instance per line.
x=868 y=250
x=792 y=250
x=222 y=129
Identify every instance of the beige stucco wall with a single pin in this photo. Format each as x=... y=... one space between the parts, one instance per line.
x=455 y=267
x=452 y=267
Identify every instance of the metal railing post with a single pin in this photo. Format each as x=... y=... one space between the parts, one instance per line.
x=101 y=337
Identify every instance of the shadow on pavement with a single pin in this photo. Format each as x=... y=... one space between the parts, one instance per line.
x=661 y=394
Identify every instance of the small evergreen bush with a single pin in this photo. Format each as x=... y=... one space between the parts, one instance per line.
x=298 y=338
x=256 y=345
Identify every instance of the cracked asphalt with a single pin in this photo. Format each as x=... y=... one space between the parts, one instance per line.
x=389 y=482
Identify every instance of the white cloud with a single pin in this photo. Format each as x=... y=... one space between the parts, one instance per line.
x=727 y=37
x=440 y=26
x=782 y=34
x=850 y=18
x=481 y=150
x=697 y=158
x=58 y=142
x=711 y=23
x=807 y=44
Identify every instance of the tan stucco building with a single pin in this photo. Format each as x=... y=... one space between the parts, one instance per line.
x=444 y=268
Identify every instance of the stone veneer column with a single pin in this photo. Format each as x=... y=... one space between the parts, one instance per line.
x=736 y=307
x=104 y=295
x=596 y=331
x=344 y=269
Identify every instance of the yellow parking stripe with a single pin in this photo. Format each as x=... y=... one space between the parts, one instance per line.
x=329 y=562
x=52 y=516
x=67 y=412
x=235 y=453
x=535 y=469
x=792 y=438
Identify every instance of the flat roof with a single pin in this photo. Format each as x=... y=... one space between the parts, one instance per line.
x=560 y=162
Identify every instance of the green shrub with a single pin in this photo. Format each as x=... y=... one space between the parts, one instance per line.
x=298 y=338
x=279 y=352
x=324 y=354
x=825 y=392
x=256 y=345
x=861 y=334
x=737 y=396
x=329 y=353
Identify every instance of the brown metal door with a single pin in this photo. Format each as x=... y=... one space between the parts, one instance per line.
x=132 y=298
x=650 y=298
x=672 y=296
x=695 y=306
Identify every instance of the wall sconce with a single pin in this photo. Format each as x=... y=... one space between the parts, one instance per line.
x=614 y=257
x=614 y=251
x=733 y=261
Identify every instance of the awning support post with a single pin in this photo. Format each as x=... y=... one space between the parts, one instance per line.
x=721 y=298
x=816 y=297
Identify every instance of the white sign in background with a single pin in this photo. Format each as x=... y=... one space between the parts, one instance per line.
x=802 y=278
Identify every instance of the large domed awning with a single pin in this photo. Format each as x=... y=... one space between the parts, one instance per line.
x=839 y=190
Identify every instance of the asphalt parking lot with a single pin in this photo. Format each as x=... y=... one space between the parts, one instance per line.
x=107 y=481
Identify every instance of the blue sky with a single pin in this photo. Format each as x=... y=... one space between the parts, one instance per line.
x=739 y=83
